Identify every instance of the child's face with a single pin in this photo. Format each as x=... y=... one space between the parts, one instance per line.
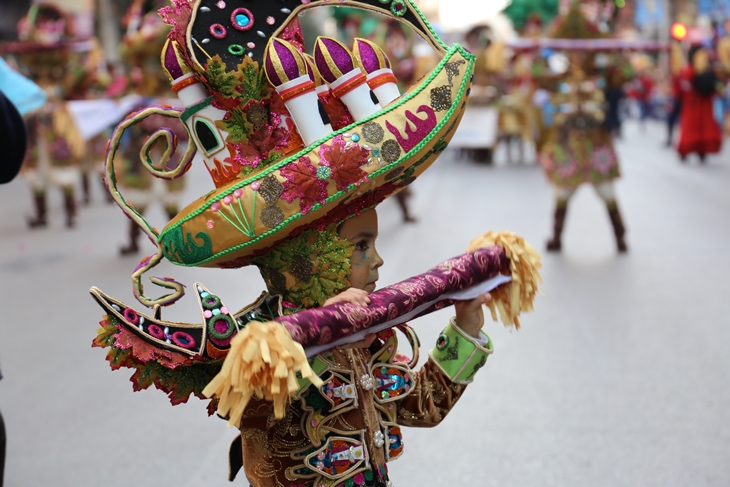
x=362 y=230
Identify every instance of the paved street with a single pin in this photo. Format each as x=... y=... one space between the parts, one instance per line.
x=619 y=378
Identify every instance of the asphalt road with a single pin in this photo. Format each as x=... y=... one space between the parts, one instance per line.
x=619 y=378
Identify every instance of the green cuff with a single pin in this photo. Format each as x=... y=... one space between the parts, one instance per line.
x=459 y=355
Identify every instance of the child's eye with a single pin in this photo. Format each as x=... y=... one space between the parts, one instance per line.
x=362 y=246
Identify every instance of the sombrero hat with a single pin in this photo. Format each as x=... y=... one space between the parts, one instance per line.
x=279 y=169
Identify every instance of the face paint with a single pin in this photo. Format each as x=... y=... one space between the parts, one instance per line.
x=362 y=230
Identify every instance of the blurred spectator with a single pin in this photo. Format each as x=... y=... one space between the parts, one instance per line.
x=700 y=132
x=644 y=91
x=673 y=105
x=13 y=144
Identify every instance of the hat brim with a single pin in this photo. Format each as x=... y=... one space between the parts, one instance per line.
x=230 y=225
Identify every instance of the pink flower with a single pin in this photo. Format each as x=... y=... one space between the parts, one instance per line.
x=238 y=193
x=227 y=200
x=256 y=185
x=359 y=479
x=224 y=310
x=345 y=162
x=215 y=206
x=207 y=313
x=302 y=182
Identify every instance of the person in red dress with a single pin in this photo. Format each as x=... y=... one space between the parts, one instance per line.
x=700 y=132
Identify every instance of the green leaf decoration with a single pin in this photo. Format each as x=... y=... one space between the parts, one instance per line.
x=221 y=80
x=326 y=260
x=253 y=84
x=238 y=128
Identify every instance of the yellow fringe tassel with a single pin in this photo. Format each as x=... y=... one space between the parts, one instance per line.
x=518 y=295
x=263 y=361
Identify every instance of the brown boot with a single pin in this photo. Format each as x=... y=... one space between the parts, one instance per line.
x=132 y=247
x=402 y=198
x=69 y=203
x=618 y=226
x=39 y=199
x=555 y=244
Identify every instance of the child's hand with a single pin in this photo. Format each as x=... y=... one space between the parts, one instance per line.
x=470 y=315
x=352 y=296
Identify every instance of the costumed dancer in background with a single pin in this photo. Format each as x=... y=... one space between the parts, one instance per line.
x=304 y=215
x=479 y=132
x=699 y=131
x=517 y=117
x=98 y=79
x=47 y=53
x=578 y=149
x=144 y=38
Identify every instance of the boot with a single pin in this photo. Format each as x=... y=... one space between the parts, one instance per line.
x=402 y=198
x=40 y=207
x=134 y=232
x=85 y=188
x=618 y=227
x=555 y=244
x=69 y=203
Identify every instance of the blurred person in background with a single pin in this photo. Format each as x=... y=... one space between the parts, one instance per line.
x=644 y=92
x=700 y=132
x=13 y=145
x=675 y=108
x=482 y=113
x=142 y=43
x=615 y=75
x=578 y=148
x=49 y=52
x=18 y=95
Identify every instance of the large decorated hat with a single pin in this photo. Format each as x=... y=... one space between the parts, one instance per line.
x=254 y=109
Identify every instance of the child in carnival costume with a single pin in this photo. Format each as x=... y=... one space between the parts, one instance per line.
x=578 y=148
x=309 y=372
x=145 y=37
x=58 y=63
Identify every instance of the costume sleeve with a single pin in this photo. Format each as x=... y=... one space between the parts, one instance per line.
x=451 y=365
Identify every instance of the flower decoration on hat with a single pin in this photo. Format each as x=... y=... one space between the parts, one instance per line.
x=262 y=113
